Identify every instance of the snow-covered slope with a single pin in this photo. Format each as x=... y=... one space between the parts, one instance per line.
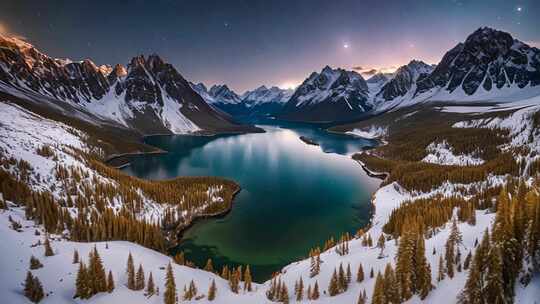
x=22 y=133
x=58 y=274
x=442 y=153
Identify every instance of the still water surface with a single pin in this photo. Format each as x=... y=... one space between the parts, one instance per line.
x=294 y=196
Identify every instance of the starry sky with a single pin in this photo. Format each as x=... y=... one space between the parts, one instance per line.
x=252 y=42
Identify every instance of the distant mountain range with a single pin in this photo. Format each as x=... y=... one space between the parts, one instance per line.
x=148 y=96
x=490 y=64
x=261 y=101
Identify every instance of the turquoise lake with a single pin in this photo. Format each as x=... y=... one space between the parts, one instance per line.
x=294 y=196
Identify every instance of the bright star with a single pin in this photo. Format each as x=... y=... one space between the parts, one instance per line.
x=519 y=9
x=346 y=46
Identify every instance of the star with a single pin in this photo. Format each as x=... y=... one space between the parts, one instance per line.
x=345 y=45
x=519 y=9
x=226 y=24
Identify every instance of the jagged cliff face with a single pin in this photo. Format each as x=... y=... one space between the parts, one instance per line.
x=24 y=65
x=404 y=79
x=488 y=58
x=331 y=95
x=149 y=95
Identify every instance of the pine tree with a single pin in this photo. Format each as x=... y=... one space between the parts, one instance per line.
x=110 y=282
x=423 y=270
x=380 y=244
x=360 y=274
x=371 y=273
x=440 y=274
x=75 y=257
x=28 y=285
x=405 y=261
x=209 y=266
x=170 y=287
x=333 y=286
x=191 y=291
x=150 y=286
x=449 y=256
x=81 y=283
x=467 y=261
x=96 y=273
x=342 y=279
x=139 y=278
x=212 y=290
x=391 y=293
x=494 y=278
x=475 y=286
x=48 y=249
x=179 y=258
x=309 y=297
x=315 y=293
x=378 y=290
x=35 y=263
x=284 y=294
x=234 y=281
x=300 y=290
x=130 y=270
x=247 y=279
x=361 y=299
x=349 y=274
x=225 y=272
x=38 y=293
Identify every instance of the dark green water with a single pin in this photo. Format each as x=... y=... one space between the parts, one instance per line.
x=294 y=196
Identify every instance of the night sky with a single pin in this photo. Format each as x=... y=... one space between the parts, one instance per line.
x=248 y=43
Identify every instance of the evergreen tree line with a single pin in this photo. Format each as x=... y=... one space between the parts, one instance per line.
x=421 y=176
x=510 y=253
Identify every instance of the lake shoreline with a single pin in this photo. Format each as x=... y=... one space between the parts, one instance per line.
x=180 y=236
x=180 y=231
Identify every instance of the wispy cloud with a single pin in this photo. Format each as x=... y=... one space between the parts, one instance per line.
x=370 y=71
x=533 y=43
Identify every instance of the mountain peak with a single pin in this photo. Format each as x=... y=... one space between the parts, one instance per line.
x=489 y=59
x=119 y=70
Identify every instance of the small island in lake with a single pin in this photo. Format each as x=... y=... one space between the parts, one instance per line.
x=308 y=141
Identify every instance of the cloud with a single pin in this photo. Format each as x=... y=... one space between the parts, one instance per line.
x=370 y=71
x=533 y=43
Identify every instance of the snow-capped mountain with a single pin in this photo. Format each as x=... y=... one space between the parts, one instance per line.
x=379 y=78
x=331 y=95
x=405 y=79
x=261 y=101
x=221 y=94
x=265 y=101
x=262 y=95
x=488 y=59
x=149 y=95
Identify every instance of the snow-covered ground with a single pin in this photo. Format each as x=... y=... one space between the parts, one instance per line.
x=58 y=274
x=372 y=133
x=442 y=153
x=23 y=132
